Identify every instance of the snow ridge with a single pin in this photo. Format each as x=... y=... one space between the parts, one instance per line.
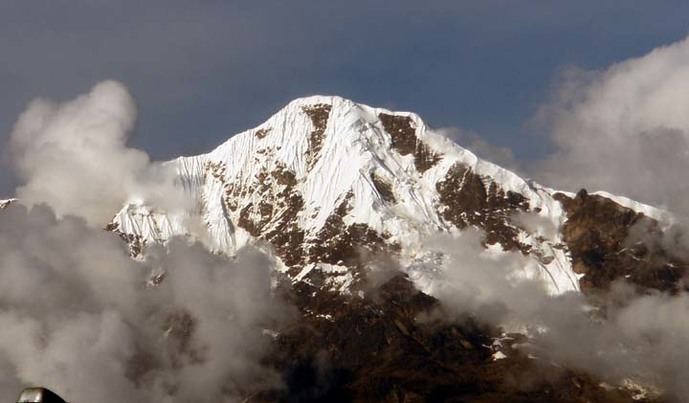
x=324 y=157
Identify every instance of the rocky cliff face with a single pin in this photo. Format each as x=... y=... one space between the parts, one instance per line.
x=597 y=234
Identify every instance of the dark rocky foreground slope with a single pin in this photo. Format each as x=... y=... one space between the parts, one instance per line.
x=377 y=349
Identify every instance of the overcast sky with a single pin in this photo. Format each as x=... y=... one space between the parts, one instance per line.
x=203 y=70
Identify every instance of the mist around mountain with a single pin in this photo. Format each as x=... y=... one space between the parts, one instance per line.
x=343 y=252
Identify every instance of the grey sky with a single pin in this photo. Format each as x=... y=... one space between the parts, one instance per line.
x=203 y=70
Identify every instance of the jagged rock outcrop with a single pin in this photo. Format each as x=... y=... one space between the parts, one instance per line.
x=597 y=234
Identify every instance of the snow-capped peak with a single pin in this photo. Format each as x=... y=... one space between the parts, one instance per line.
x=326 y=177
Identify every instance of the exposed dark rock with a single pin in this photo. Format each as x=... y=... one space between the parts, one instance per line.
x=261 y=133
x=383 y=188
x=467 y=201
x=273 y=219
x=134 y=242
x=597 y=234
x=424 y=157
x=339 y=243
x=404 y=140
x=402 y=132
x=246 y=222
x=287 y=238
x=319 y=114
x=284 y=177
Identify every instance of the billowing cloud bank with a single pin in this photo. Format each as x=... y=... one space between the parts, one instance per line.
x=78 y=314
x=74 y=156
x=624 y=130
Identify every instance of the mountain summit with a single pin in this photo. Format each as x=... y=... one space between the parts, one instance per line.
x=325 y=180
x=356 y=203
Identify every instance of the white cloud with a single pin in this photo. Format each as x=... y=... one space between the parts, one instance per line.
x=624 y=129
x=76 y=315
x=74 y=156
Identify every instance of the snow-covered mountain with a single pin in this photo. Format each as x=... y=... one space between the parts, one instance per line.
x=326 y=179
x=327 y=183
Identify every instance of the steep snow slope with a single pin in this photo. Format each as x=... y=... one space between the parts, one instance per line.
x=325 y=178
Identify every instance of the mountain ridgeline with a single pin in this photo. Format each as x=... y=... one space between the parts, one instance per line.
x=326 y=182
x=328 y=186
